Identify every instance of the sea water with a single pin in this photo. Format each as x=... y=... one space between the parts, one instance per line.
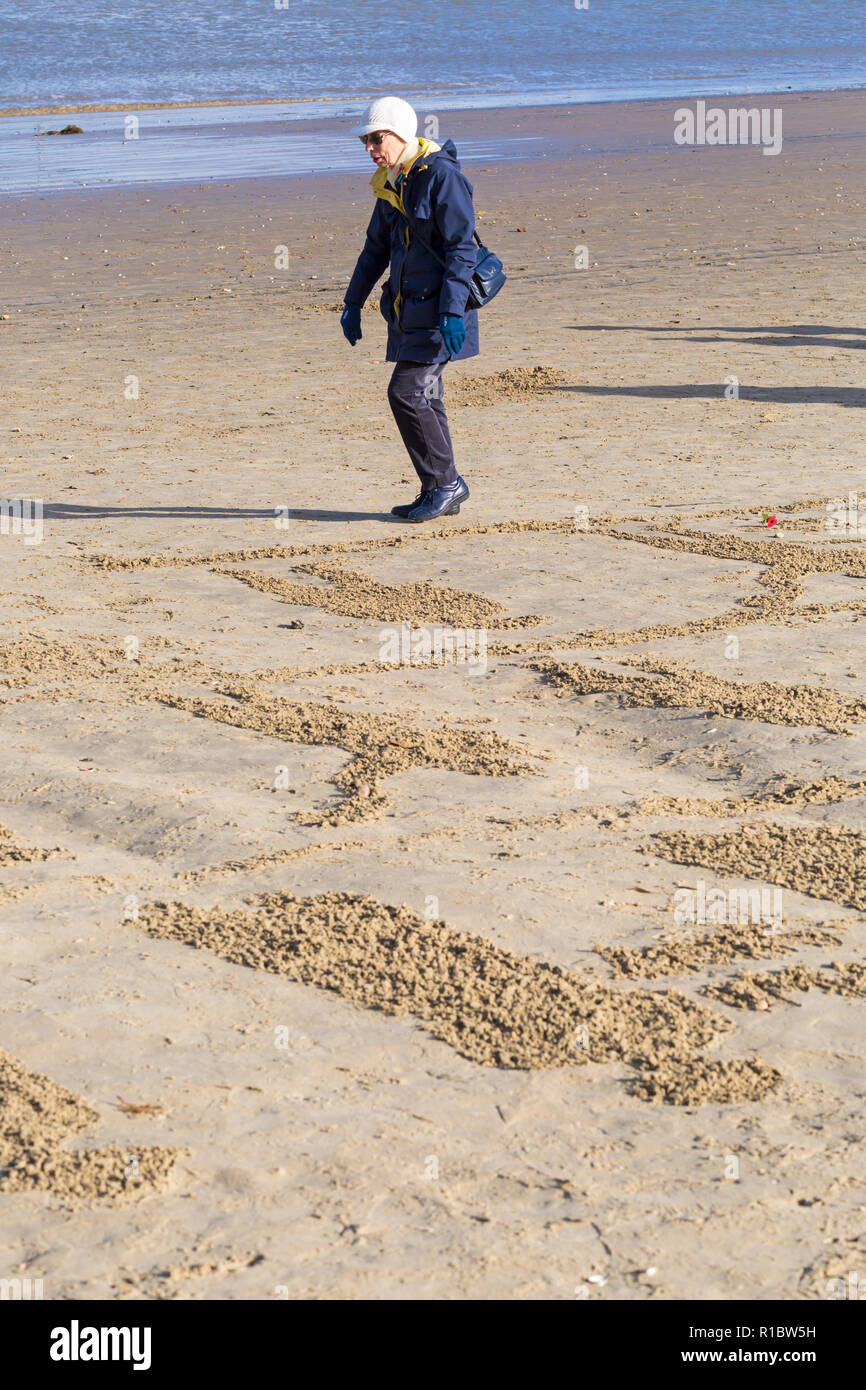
x=327 y=57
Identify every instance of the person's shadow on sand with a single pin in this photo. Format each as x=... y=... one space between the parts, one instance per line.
x=714 y=390
x=70 y=511
x=765 y=335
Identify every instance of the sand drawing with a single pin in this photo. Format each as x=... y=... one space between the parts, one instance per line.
x=491 y=1005
x=497 y=1008
x=39 y=1122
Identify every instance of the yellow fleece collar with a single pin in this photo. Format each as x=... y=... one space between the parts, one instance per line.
x=383 y=189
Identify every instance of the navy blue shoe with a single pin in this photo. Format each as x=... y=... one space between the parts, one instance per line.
x=442 y=501
x=405 y=508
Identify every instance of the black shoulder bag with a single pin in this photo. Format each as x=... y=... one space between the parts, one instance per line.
x=488 y=276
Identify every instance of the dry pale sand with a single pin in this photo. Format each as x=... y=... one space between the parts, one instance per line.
x=329 y=978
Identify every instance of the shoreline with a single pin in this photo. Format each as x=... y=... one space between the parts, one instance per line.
x=179 y=154
x=496 y=102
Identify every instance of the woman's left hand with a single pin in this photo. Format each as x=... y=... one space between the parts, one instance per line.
x=453 y=331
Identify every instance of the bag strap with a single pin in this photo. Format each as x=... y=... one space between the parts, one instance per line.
x=429 y=247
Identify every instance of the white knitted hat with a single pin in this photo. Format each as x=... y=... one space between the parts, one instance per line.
x=389 y=113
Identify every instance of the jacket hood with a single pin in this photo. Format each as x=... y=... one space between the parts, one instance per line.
x=447 y=151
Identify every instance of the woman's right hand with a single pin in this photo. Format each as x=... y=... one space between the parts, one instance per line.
x=350 y=322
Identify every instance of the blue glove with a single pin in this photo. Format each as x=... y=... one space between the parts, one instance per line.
x=453 y=331
x=350 y=322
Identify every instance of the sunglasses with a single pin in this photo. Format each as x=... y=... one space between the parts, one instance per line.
x=374 y=137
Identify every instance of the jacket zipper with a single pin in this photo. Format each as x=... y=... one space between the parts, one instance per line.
x=399 y=299
x=398 y=303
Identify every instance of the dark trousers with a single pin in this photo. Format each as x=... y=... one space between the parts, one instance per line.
x=415 y=397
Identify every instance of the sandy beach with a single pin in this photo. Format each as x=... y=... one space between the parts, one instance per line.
x=327 y=975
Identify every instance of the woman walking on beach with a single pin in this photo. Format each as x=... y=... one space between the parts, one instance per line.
x=422 y=226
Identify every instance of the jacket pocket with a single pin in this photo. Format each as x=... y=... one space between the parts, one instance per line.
x=386 y=302
x=421 y=310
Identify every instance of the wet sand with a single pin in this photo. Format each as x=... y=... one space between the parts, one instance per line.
x=329 y=977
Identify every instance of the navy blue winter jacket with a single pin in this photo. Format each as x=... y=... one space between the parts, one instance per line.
x=437 y=198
